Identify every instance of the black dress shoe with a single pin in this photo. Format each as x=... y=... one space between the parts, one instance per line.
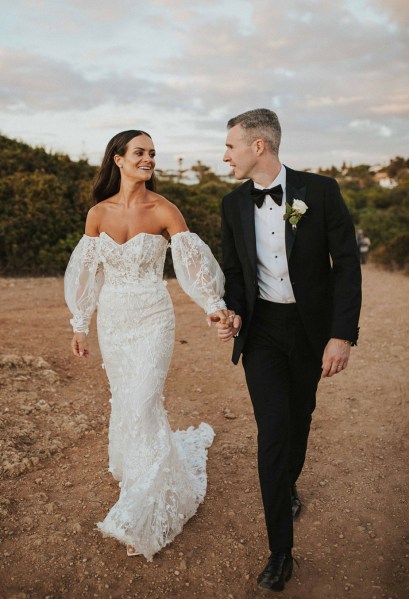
x=296 y=504
x=278 y=570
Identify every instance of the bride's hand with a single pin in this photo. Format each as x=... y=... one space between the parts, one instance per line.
x=230 y=329
x=224 y=316
x=79 y=345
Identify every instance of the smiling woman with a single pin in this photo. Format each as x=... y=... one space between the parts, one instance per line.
x=108 y=180
x=118 y=265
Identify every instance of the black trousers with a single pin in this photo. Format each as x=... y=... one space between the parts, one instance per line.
x=282 y=373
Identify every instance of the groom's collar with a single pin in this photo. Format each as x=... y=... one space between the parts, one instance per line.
x=279 y=180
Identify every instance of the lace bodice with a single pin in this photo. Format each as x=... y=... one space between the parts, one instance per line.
x=98 y=261
x=140 y=260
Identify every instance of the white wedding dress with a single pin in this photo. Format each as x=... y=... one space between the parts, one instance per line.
x=162 y=473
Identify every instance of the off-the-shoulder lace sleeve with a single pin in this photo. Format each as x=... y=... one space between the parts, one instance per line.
x=83 y=280
x=198 y=271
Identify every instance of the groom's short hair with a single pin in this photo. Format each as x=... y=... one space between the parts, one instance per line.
x=259 y=123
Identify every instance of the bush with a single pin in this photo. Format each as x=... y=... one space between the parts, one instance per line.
x=44 y=200
x=45 y=197
x=395 y=254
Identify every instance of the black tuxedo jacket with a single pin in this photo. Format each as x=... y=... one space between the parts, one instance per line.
x=322 y=255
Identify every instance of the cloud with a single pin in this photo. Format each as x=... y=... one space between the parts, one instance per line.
x=97 y=10
x=320 y=101
x=397 y=105
x=335 y=72
x=316 y=56
x=37 y=83
x=365 y=125
x=397 y=10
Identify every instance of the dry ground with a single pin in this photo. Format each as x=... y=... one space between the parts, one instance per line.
x=350 y=539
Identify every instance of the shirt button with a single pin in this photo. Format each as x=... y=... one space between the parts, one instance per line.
x=270 y=208
x=281 y=279
x=272 y=232
x=276 y=256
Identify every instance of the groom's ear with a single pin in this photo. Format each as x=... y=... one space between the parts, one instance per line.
x=260 y=146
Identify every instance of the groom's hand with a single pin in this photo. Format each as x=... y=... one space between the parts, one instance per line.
x=227 y=330
x=220 y=316
x=335 y=358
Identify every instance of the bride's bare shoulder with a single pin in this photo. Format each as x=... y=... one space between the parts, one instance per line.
x=104 y=205
x=170 y=216
x=94 y=217
x=163 y=203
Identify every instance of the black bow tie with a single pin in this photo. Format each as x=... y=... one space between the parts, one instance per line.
x=259 y=194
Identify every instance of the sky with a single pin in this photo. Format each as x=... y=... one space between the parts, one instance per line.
x=73 y=73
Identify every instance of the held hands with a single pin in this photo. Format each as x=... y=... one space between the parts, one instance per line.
x=219 y=316
x=228 y=329
x=335 y=358
x=79 y=345
x=228 y=323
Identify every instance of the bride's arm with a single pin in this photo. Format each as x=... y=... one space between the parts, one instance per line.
x=196 y=269
x=198 y=272
x=82 y=282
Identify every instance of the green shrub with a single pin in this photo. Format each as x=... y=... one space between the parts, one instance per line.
x=395 y=254
x=45 y=197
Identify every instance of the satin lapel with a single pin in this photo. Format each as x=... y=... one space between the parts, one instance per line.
x=246 y=205
x=294 y=191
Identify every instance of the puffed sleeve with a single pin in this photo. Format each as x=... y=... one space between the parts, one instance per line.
x=83 y=280
x=198 y=271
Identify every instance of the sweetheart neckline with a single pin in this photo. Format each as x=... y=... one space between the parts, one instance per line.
x=131 y=238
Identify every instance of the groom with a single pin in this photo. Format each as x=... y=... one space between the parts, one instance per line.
x=293 y=280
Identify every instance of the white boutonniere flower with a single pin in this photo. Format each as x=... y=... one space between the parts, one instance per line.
x=294 y=212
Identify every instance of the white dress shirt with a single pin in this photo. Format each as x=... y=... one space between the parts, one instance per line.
x=272 y=266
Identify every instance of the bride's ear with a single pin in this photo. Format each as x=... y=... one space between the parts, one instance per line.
x=118 y=160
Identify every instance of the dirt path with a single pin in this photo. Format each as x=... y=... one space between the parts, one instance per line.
x=350 y=539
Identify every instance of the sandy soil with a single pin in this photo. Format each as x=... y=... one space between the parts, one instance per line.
x=350 y=539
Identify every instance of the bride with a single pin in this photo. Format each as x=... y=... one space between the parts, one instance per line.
x=118 y=266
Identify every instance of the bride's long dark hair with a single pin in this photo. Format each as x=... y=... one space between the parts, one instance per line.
x=108 y=179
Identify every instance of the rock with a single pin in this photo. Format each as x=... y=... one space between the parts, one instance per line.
x=50 y=507
x=50 y=376
x=10 y=361
x=27 y=522
x=183 y=565
x=28 y=359
x=43 y=405
x=230 y=416
x=40 y=363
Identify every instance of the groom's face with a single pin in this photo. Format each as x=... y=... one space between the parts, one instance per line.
x=241 y=156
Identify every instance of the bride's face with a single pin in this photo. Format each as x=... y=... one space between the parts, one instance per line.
x=138 y=161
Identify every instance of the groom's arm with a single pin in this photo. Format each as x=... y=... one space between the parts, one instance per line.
x=234 y=297
x=346 y=274
x=346 y=269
